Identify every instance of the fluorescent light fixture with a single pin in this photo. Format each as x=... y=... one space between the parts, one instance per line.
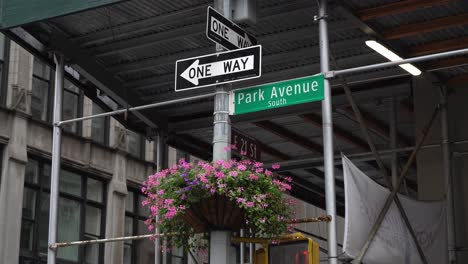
x=392 y=56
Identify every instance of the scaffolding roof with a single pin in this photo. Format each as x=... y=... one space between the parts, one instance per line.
x=127 y=50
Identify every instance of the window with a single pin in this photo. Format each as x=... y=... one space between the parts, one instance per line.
x=71 y=106
x=100 y=126
x=80 y=215
x=182 y=155
x=4 y=51
x=41 y=87
x=136 y=144
x=137 y=251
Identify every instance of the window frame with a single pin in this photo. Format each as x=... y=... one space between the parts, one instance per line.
x=107 y=123
x=4 y=75
x=136 y=216
x=41 y=191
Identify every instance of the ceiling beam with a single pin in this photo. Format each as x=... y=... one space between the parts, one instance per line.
x=375 y=125
x=308 y=32
x=426 y=26
x=272 y=151
x=457 y=81
x=439 y=46
x=290 y=136
x=446 y=63
x=320 y=174
x=337 y=131
x=109 y=32
x=97 y=74
x=196 y=29
x=276 y=58
x=399 y=7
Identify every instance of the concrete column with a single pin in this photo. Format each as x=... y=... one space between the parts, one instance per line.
x=115 y=213
x=11 y=190
x=19 y=79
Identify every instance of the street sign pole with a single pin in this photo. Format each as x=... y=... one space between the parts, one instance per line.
x=220 y=240
x=328 y=136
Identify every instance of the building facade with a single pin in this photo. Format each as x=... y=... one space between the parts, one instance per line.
x=102 y=167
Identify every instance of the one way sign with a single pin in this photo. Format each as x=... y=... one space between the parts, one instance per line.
x=218 y=68
x=226 y=33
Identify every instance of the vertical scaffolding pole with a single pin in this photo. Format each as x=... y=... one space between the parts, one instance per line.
x=242 y=248
x=447 y=169
x=328 y=135
x=55 y=168
x=159 y=164
x=393 y=140
x=220 y=241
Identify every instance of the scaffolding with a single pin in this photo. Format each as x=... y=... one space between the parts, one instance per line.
x=221 y=139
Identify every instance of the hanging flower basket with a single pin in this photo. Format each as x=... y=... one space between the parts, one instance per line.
x=224 y=195
x=216 y=212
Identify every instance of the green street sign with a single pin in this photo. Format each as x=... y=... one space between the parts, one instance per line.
x=278 y=94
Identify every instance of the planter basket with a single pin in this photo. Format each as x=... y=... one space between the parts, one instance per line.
x=214 y=213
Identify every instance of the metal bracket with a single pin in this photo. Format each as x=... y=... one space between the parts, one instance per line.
x=329 y=74
x=317 y=18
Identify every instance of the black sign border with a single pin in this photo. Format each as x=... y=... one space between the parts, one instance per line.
x=215 y=54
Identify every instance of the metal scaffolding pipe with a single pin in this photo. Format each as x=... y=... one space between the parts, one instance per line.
x=392 y=195
x=55 y=167
x=363 y=156
x=399 y=62
x=393 y=140
x=159 y=164
x=136 y=108
x=447 y=167
x=327 y=124
x=107 y=240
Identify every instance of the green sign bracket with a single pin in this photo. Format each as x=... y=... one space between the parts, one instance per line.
x=278 y=94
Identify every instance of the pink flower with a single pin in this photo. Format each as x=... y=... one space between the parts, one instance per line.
x=144 y=202
x=258 y=164
x=154 y=209
x=275 y=166
x=253 y=177
x=240 y=200
x=243 y=153
x=220 y=175
x=160 y=192
x=150 y=227
x=171 y=212
x=259 y=170
x=222 y=185
x=233 y=173
x=242 y=167
x=168 y=201
x=233 y=146
x=249 y=204
x=268 y=173
x=182 y=207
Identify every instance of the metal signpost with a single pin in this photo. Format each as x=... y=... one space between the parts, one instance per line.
x=245 y=145
x=218 y=68
x=226 y=33
x=278 y=94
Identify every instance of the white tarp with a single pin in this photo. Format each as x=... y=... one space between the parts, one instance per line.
x=393 y=243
